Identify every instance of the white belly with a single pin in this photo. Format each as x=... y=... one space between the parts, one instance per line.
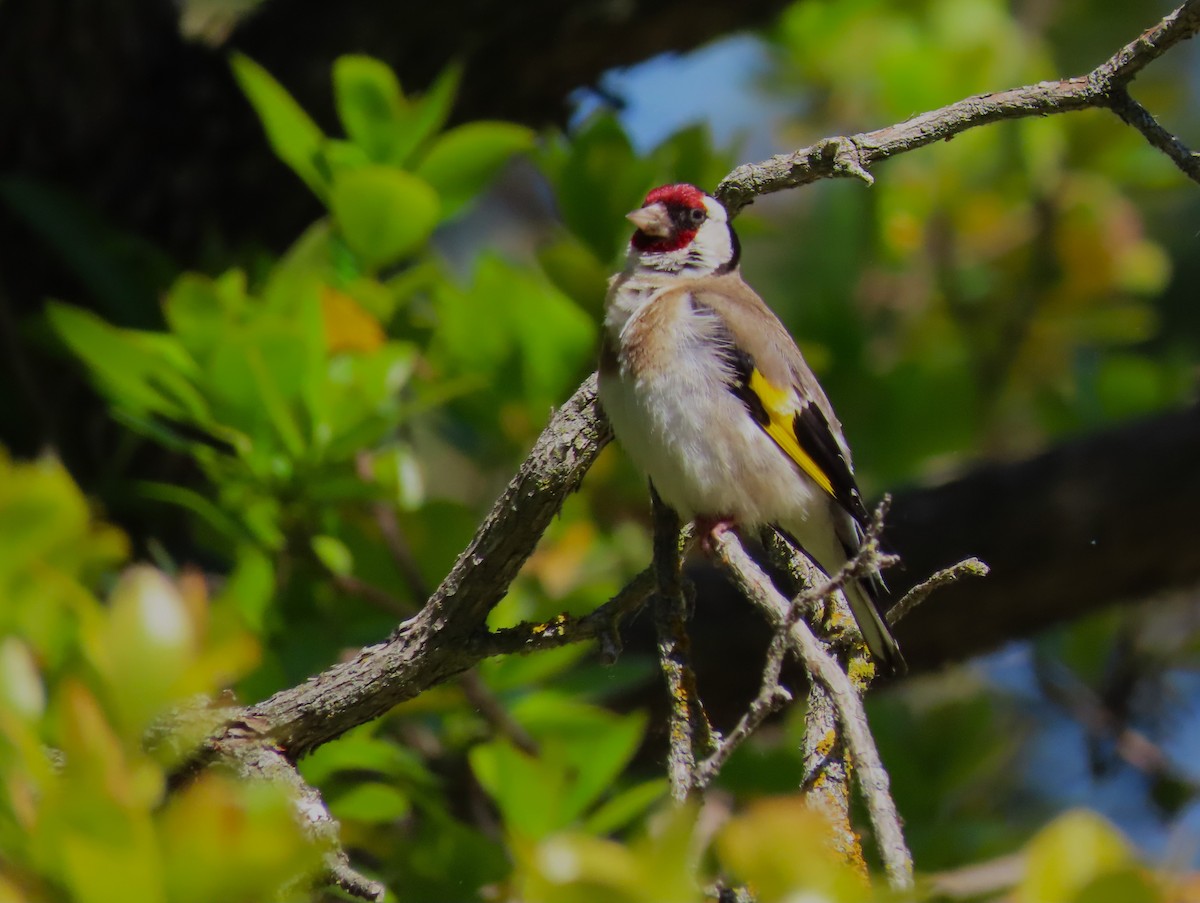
x=701 y=448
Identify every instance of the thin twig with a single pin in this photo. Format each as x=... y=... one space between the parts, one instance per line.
x=1134 y=114
x=564 y=630
x=393 y=536
x=1124 y=65
x=471 y=682
x=866 y=561
x=376 y=595
x=772 y=696
x=970 y=567
x=872 y=777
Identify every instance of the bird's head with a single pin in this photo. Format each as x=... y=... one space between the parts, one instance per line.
x=680 y=229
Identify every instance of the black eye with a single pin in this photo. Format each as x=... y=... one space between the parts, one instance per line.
x=697 y=215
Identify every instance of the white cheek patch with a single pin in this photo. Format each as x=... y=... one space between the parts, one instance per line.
x=715 y=210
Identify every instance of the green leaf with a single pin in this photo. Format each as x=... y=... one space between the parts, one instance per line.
x=139 y=370
x=1133 y=884
x=336 y=156
x=149 y=643
x=202 y=508
x=463 y=160
x=93 y=863
x=533 y=329
x=575 y=271
x=624 y=807
x=265 y=386
x=599 y=180
x=370 y=104
x=527 y=791
x=397 y=471
x=595 y=744
x=383 y=213
x=428 y=115
x=334 y=554
x=1070 y=853
x=198 y=309
x=516 y=672
x=359 y=751
x=45 y=530
x=21 y=689
x=371 y=802
x=250 y=588
x=292 y=134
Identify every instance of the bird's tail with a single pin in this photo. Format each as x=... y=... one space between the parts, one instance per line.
x=864 y=598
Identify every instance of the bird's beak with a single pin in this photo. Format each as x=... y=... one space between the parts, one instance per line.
x=652 y=220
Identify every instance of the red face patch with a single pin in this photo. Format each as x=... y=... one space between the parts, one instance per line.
x=683 y=194
x=679 y=199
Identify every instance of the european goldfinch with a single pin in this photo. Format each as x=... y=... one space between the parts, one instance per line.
x=711 y=398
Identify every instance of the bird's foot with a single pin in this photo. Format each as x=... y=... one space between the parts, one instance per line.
x=710 y=528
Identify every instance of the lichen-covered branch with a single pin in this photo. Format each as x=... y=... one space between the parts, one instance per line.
x=688 y=730
x=828 y=769
x=852 y=719
x=564 y=630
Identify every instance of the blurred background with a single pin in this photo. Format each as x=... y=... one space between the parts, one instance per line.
x=288 y=290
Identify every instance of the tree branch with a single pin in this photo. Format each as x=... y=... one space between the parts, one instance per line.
x=689 y=731
x=253 y=759
x=1134 y=114
x=872 y=777
x=1104 y=86
x=564 y=630
x=437 y=643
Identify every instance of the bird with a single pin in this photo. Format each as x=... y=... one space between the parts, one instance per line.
x=710 y=397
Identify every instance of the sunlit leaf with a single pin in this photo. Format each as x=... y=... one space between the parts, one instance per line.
x=1067 y=855
x=617 y=812
x=782 y=847
x=371 y=802
x=334 y=554
x=347 y=326
x=461 y=162
x=383 y=213
x=290 y=131
x=370 y=104
x=575 y=270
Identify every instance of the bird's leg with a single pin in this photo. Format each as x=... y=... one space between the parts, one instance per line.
x=709 y=528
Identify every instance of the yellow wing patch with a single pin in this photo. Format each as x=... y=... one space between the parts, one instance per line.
x=781 y=413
